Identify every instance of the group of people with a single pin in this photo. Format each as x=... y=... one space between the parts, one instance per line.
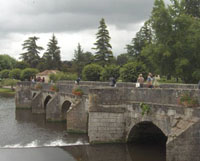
x=38 y=79
x=152 y=81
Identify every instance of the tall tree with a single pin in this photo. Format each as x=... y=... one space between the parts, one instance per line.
x=52 y=55
x=31 y=56
x=143 y=38
x=81 y=59
x=193 y=7
x=103 y=48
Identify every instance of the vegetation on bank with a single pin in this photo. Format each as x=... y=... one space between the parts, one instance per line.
x=6 y=92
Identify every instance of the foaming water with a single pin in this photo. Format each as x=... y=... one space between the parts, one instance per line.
x=34 y=144
x=22 y=129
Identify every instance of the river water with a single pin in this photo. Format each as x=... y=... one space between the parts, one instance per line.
x=28 y=137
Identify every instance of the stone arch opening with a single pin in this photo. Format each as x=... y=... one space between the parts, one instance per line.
x=147 y=133
x=147 y=142
x=65 y=107
x=47 y=99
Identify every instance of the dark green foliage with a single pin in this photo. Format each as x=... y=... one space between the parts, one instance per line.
x=52 y=57
x=22 y=65
x=169 y=43
x=193 y=7
x=92 y=72
x=129 y=72
x=28 y=73
x=4 y=74
x=103 y=48
x=122 y=59
x=81 y=59
x=145 y=108
x=62 y=76
x=110 y=71
x=31 y=56
x=15 y=74
x=7 y=62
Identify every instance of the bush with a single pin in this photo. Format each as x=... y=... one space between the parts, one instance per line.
x=92 y=72
x=110 y=71
x=4 y=73
x=130 y=71
x=27 y=73
x=62 y=76
x=15 y=74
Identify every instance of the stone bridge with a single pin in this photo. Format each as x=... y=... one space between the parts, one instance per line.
x=122 y=114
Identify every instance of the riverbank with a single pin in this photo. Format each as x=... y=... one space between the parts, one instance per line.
x=7 y=92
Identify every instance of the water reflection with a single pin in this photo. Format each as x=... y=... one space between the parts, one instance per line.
x=117 y=152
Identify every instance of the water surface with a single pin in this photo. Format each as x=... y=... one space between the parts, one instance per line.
x=28 y=137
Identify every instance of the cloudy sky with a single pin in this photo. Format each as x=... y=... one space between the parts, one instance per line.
x=72 y=22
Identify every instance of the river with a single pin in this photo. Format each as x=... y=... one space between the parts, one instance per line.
x=28 y=137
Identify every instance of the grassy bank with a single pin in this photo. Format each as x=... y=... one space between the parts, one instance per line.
x=6 y=92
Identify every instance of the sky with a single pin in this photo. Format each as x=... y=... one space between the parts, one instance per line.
x=72 y=22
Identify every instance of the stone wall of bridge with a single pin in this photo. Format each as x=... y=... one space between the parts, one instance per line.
x=109 y=114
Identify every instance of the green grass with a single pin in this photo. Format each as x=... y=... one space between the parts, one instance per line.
x=6 y=92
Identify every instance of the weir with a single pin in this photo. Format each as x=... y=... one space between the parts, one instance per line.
x=122 y=114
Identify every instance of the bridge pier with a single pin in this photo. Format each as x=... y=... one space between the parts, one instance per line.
x=109 y=114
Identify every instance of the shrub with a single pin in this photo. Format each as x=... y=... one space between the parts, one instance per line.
x=9 y=82
x=110 y=71
x=77 y=91
x=145 y=108
x=4 y=73
x=38 y=86
x=54 y=88
x=187 y=100
x=27 y=73
x=62 y=76
x=15 y=74
x=129 y=72
x=92 y=72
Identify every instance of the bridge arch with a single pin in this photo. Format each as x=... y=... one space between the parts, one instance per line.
x=47 y=99
x=64 y=108
x=146 y=132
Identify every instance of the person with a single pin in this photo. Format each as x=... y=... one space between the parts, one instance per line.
x=149 y=81
x=112 y=81
x=155 y=81
x=78 y=80
x=140 y=80
x=43 y=79
x=199 y=85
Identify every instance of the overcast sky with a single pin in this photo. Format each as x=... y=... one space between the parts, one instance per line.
x=72 y=22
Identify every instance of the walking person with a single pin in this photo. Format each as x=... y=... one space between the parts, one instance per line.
x=140 y=81
x=149 y=81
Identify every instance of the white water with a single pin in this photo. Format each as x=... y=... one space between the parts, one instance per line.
x=34 y=144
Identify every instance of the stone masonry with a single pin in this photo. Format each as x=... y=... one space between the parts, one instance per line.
x=109 y=114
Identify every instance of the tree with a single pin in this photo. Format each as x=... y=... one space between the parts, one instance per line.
x=92 y=72
x=143 y=38
x=28 y=73
x=22 y=65
x=103 y=48
x=15 y=74
x=31 y=56
x=192 y=7
x=122 y=59
x=110 y=71
x=7 y=62
x=129 y=72
x=52 y=55
x=81 y=59
x=4 y=73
